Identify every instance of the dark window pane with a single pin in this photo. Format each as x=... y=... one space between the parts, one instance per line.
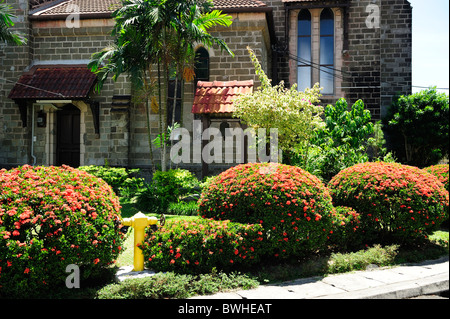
x=326 y=22
x=202 y=65
x=304 y=23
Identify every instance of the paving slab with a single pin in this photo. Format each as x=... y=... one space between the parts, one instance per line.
x=401 y=282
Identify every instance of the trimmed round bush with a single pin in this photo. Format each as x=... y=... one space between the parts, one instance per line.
x=52 y=217
x=293 y=206
x=396 y=202
x=197 y=246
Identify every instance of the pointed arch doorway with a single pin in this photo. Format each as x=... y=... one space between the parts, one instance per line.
x=68 y=136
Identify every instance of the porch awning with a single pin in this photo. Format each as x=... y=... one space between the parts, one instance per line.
x=54 y=83
x=218 y=97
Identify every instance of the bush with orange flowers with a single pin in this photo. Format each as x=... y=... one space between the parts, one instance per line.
x=396 y=202
x=52 y=217
x=200 y=245
x=293 y=206
x=441 y=172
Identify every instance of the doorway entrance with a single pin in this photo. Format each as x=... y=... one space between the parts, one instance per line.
x=68 y=136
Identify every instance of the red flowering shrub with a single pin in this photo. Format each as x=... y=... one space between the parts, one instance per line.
x=441 y=172
x=347 y=233
x=200 y=245
x=293 y=206
x=51 y=217
x=396 y=202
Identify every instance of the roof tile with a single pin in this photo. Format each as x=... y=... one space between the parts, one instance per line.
x=109 y=6
x=54 y=83
x=218 y=97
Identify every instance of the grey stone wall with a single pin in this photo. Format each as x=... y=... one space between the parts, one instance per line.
x=14 y=138
x=395 y=50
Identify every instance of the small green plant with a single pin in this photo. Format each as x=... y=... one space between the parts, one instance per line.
x=122 y=180
x=341 y=143
x=183 y=208
x=172 y=285
x=166 y=188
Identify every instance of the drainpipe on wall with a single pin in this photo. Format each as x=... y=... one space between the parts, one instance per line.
x=32 y=136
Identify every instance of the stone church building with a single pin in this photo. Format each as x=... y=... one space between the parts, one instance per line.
x=50 y=114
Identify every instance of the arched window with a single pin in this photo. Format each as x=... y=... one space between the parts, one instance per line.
x=201 y=65
x=327 y=51
x=304 y=50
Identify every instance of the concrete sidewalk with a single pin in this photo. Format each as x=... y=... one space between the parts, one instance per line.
x=401 y=282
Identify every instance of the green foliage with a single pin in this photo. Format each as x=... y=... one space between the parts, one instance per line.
x=341 y=143
x=343 y=126
x=376 y=255
x=175 y=182
x=172 y=285
x=294 y=113
x=51 y=217
x=183 y=208
x=6 y=22
x=120 y=179
x=167 y=188
x=419 y=123
x=396 y=202
x=293 y=207
x=197 y=246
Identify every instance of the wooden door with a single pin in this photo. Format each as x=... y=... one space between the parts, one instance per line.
x=68 y=136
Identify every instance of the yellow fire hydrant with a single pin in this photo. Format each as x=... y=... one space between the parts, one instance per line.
x=139 y=222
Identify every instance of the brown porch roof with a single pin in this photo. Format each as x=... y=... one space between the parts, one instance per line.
x=218 y=97
x=54 y=83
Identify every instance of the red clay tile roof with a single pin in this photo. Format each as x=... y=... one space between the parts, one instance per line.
x=234 y=4
x=65 y=8
x=218 y=97
x=81 y=6
x=300 y=0
x=54 y=83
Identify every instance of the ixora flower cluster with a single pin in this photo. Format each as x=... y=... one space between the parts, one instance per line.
x=51 y=217
x=268 y=210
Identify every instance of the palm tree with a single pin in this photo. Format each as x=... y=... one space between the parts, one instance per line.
x=157 y=34
x=6 y=23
